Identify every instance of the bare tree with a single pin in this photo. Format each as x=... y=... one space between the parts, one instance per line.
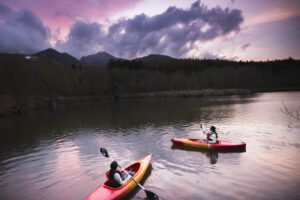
x=293 y=114
x=289 y=112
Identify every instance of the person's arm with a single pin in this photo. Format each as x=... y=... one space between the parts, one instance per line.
x=203 y=131
x=118 y=178
x=214 y=139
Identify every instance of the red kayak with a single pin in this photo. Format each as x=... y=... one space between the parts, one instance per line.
x=202 y=144
x=105 y=192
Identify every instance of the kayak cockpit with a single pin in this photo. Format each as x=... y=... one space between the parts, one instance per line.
x=202 y=140
x=134 y=168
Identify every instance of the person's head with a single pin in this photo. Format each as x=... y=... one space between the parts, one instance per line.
x=213 y=129
x=114 y=165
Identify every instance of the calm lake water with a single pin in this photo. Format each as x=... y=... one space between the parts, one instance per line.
x=55 y=154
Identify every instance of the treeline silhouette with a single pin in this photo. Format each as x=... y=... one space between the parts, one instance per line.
x=22 y=76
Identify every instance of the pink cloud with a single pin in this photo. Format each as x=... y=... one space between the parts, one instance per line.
x=61 y=14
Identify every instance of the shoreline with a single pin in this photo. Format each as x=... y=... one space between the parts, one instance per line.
x=14 y=104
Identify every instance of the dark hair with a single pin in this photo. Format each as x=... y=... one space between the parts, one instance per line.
x=113 y=169
x=113 y=165
x=213 y=129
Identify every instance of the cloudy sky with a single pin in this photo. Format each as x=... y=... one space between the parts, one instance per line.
x=228 y=29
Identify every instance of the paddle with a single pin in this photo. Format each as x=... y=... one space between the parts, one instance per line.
x=149 y=194
x=202 y=128
x=203 y=131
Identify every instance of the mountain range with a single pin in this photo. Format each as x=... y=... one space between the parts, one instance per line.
x=100 y=58
x=55 y=56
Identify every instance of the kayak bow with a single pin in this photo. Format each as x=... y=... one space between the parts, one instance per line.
x=104 y=191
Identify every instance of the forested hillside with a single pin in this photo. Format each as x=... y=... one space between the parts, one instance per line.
x=37 y=76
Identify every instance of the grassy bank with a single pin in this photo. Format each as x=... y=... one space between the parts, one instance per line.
x=188 y=93
x=12 y=104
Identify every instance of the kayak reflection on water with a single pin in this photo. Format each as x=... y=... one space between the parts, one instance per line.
x=213 y=156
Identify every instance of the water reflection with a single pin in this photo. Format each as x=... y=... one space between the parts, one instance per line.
x=212 y=155
x=29 y=129
x=55 y=154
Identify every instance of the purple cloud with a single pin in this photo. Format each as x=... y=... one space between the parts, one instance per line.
x=21 y=31
x=63 y=13
x=245 y=46
x=173 y=32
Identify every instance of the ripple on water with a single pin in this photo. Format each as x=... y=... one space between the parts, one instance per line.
x=67 y=164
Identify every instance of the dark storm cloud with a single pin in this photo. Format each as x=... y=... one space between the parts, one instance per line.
x=212 y=55
x=84 y=36
x=245 y=46
x=21 y=31
x=85 y=39
x=173 y=32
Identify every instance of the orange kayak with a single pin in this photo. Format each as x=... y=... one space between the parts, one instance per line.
x=109 y=193
x=202 y=144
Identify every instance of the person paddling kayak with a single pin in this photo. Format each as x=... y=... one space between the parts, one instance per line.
x=115 y=176
x=212 y=135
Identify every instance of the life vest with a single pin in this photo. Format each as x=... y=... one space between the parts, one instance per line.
x=111 y=179
x=208 y=136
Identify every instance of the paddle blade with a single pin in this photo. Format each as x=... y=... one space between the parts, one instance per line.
x=104 y=152
x=151 y=195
